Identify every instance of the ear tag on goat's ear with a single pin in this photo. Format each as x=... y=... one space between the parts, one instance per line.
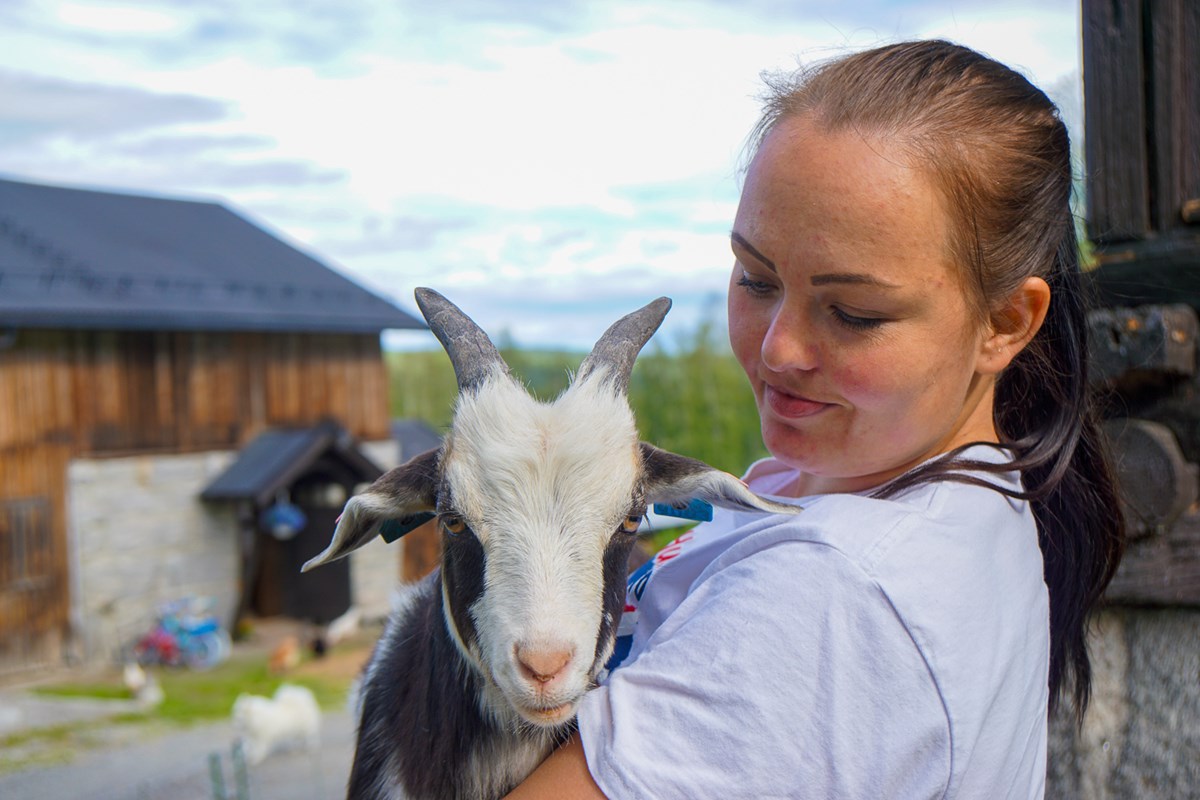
x=696 y=509
x=393 y=529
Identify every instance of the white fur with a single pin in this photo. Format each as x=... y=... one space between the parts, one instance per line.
x=268 y=725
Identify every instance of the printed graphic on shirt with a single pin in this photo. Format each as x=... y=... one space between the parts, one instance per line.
x=635 y=587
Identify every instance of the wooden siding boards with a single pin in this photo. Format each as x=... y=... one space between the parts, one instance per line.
x=1142 y=110
x=1114 y=111
x=33 y=562
x=1142 y=79
x=1175 y=101
x=117 y=392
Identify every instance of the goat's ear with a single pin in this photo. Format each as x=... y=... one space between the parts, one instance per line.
x=409 y=489
x=674 y=479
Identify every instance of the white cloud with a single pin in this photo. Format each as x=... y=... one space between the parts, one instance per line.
x=108 y=18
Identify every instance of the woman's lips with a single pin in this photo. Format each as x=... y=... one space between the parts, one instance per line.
x=789 y=406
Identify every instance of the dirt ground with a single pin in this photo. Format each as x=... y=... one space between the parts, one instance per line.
x=342 y=662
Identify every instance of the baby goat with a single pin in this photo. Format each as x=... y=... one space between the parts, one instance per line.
x=479 y=672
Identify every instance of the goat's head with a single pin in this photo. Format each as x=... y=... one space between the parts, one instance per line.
x=539 y=505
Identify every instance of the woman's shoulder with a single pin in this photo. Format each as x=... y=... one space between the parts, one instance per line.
x=940 y=525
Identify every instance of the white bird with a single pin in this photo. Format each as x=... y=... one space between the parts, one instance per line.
x=144 y=688
x=134 y=677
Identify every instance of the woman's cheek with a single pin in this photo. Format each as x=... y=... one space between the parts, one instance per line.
x=746 y=338
x=865 y=385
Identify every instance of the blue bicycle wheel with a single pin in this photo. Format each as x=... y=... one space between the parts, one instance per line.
x=207 y=650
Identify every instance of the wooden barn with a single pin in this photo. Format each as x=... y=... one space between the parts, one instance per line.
x=144 y=342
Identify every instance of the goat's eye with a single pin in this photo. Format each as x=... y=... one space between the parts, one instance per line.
x=631 y=523
x=453 y=523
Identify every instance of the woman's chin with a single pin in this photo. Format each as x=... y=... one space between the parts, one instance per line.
x=795 y=448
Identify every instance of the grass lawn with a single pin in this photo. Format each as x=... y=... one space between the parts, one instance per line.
x=192 y=696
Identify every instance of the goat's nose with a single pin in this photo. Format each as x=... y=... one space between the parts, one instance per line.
x=543 y=664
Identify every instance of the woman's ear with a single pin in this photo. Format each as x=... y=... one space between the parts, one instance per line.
x=1014 y=325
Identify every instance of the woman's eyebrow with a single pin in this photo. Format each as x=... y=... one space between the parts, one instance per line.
x=824 y=279
x=858 y=278
x=741 y=242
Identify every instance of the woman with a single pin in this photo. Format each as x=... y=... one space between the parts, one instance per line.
x=906 y=303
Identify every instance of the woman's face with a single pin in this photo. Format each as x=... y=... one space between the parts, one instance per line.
x=847 y=314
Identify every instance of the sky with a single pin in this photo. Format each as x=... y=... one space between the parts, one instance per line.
x=548 y=166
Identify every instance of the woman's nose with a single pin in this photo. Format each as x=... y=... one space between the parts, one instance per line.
x=789 y=344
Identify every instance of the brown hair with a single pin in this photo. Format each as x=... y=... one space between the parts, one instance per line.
x=998 y=150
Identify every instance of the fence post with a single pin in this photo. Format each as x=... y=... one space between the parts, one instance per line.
x=217 y=776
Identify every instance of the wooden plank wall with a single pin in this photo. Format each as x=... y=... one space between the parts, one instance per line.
x=1175 y=76
x=1141 y=74
x=108 y=393
x=34 y=578
x=1119 y=193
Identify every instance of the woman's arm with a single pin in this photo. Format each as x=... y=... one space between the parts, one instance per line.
x=562 y=776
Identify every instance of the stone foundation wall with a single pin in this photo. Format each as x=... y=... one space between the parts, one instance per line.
x=375 y=568
x=1141 y=735
x=139 y=536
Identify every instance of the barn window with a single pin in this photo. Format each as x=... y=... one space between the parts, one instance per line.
x=25 y=543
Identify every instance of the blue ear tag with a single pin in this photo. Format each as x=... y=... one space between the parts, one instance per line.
x=393 y=529
x=696 y=509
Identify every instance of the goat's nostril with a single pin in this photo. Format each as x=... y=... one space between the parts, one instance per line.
x=542 y=664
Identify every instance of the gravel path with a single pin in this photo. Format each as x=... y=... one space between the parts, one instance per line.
x=147 y=762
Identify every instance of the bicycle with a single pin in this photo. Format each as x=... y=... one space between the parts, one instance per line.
x=183 y=635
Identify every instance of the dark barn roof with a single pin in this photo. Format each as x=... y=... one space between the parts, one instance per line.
x=89 y=259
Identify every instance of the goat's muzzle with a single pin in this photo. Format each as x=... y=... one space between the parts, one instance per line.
x=543 y=665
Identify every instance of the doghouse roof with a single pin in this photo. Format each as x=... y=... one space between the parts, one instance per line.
x=71 y=258
x=276 y=458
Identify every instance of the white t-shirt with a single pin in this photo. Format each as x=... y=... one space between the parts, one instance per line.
x=863 y=648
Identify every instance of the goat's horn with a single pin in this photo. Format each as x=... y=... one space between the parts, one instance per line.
x=471 y=351
x=618 y=348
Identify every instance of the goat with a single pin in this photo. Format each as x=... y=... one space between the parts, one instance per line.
x=479 y=671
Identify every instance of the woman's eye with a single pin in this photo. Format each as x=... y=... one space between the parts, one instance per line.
x=855 y=323
x=631 y=523
x=755 y=288
x=453 y=523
